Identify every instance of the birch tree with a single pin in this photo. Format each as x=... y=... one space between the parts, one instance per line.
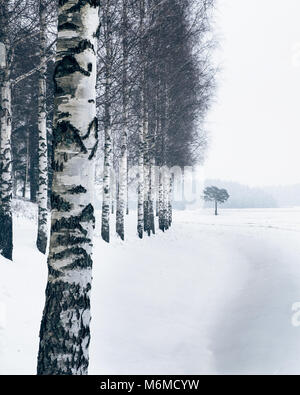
x=6 y=228
x=107 y=25
x=43 y=145
x=65 y=333
x=141 y=130
x=122 y=184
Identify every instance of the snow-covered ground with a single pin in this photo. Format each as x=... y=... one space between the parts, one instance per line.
x=212 y=295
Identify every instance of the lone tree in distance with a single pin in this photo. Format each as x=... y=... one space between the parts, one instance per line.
x=214 y=194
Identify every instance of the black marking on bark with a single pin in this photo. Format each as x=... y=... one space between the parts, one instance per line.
x=57 y=166
x=55 y=336
x=82 y=46
x=87 y=214
x=65 y=133
x=67 y=26
x=92 y=124
x=82 y=3
x=41 y=241
x=53 y=272
x=69 y=240
x=73 y=222
x=76 y=190
x=70 y=223
x=94 y=150
x=68 y=65
x=64 y=67
x=97 y=32
x=63 y=115
x=62 y=2
x=6 y=232
x=70 y=252
x=59 y=204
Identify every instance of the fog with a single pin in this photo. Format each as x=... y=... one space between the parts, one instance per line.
x=254 y=123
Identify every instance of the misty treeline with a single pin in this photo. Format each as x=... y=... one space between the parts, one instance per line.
x=154 y=84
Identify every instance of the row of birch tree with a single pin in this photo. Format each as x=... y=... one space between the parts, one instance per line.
x=119 y=85
x=154 y=83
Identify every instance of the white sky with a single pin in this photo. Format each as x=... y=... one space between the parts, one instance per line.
x=255 y=122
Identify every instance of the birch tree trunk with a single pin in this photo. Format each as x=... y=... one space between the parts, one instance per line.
x=65 y=332
x=105 y=230
x=140 y=224
x=123 y=161
x=42 y=195
x=146 y=166
x=166 y=188
x=170 y=199
x=152 y=195
x=161 y=200
x=26 y=166
x=152 y=153
x=6 y=224
x=127 y=191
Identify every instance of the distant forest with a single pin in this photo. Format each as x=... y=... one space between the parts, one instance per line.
x=243 y=196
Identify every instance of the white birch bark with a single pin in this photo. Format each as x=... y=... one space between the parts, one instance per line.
x=42 y=195
x=170 y=200
x=140 y=222
x=146 y=166
x=26 y=166
x=6 y=224
x=151 y=196
x=122 y=185
x=65 y=332
x=140 y=225
x=105 y=229
x=161 y=200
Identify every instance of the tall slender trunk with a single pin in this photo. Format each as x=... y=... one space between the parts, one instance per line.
x=146 y=165
x=151 y=196
x=127 y=191
x=216 y=207
x=105 y=230
x=65 y=332
x=26 y=173
x=140 y=224
x=6 y=228
x=42 y=195
x=166 y=189
x=163 y=181
x=152 y=153
x=123 y=161
x=161 y=222
x=170 y=197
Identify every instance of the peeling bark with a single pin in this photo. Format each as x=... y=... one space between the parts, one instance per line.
x=6 y=228
x=65 y=333
x=140 y=224
x=105 y=229
x=6 y=223
x=42 y=195
x=141 y=147
x=122 y=185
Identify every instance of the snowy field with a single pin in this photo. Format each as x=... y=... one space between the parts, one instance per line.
x=213 y=295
